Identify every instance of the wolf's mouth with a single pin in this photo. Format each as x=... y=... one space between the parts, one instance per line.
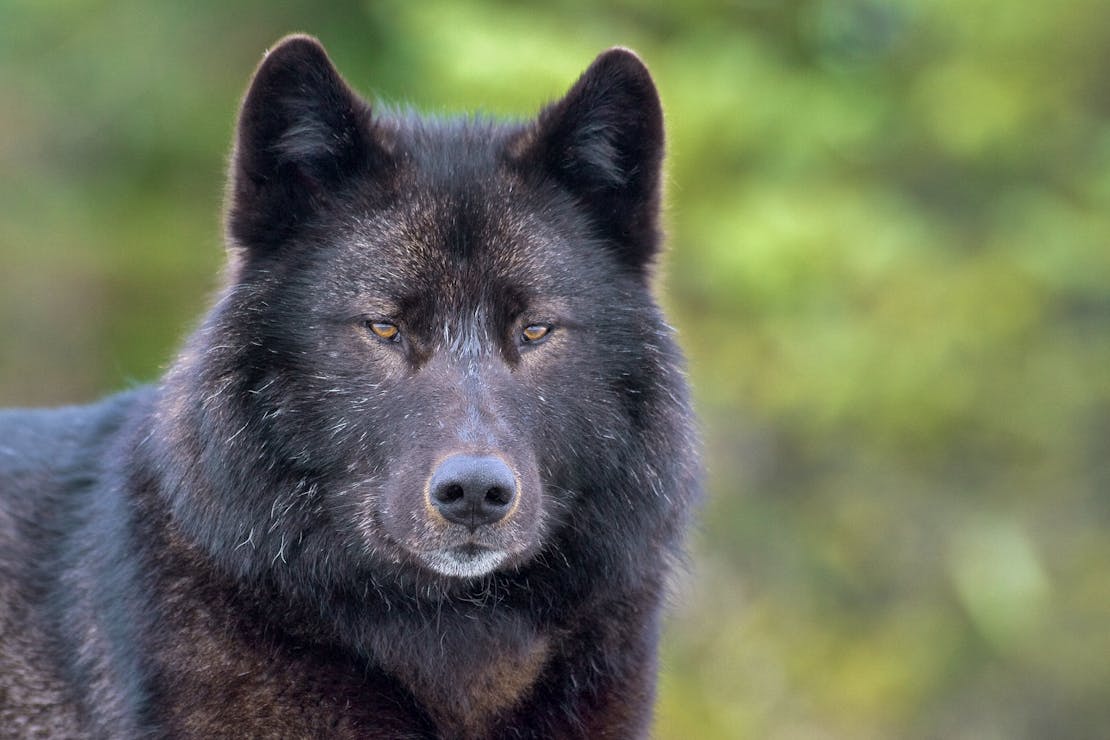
x=464 y=561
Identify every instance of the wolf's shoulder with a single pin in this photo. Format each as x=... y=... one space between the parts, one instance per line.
x=42 y=448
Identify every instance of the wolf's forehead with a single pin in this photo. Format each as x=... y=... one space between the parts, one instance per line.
x=428 y=234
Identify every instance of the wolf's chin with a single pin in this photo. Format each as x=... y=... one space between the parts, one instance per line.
x=464 y=562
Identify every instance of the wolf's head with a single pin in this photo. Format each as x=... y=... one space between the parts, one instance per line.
x=437 y=353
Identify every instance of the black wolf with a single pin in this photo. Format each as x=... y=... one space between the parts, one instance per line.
x=420 y=473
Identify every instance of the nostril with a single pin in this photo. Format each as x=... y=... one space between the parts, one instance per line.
x=449 y=493
x=498 y=496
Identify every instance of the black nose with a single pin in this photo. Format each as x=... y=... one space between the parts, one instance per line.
x=473 y=490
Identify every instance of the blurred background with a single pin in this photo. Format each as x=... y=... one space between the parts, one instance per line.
x=889 y=265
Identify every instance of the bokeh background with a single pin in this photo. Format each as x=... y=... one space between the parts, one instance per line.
x=889 y=265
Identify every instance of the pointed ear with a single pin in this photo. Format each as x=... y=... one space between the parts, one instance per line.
x=302 y=133
x=603 y=142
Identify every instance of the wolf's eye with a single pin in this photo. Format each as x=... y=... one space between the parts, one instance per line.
x=535 y=332
x=384 y=330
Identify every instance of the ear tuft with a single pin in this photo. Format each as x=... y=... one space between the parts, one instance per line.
x=302 y=132
x=603 y=142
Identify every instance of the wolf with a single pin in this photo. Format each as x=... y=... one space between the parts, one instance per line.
x=423 y=470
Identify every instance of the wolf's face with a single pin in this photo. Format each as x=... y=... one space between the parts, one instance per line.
x=432 y=327
x=433 y=340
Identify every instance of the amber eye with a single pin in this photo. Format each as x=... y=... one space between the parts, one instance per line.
x=384 y=330
x=535 y=332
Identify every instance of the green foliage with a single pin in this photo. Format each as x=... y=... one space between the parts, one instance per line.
x=889 y=265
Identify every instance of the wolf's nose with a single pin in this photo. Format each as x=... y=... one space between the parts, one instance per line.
x=473 y=491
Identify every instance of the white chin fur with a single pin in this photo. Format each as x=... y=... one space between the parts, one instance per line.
x=458 y=565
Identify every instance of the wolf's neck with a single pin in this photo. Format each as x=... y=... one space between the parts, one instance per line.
x=464 y=671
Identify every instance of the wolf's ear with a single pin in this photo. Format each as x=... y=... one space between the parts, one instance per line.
x=302 y=133
x=603 y=142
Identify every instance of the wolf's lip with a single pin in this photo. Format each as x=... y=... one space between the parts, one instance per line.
x=471 y=550
x=465 y=561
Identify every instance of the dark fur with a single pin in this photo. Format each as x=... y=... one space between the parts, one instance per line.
x=243 y=549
